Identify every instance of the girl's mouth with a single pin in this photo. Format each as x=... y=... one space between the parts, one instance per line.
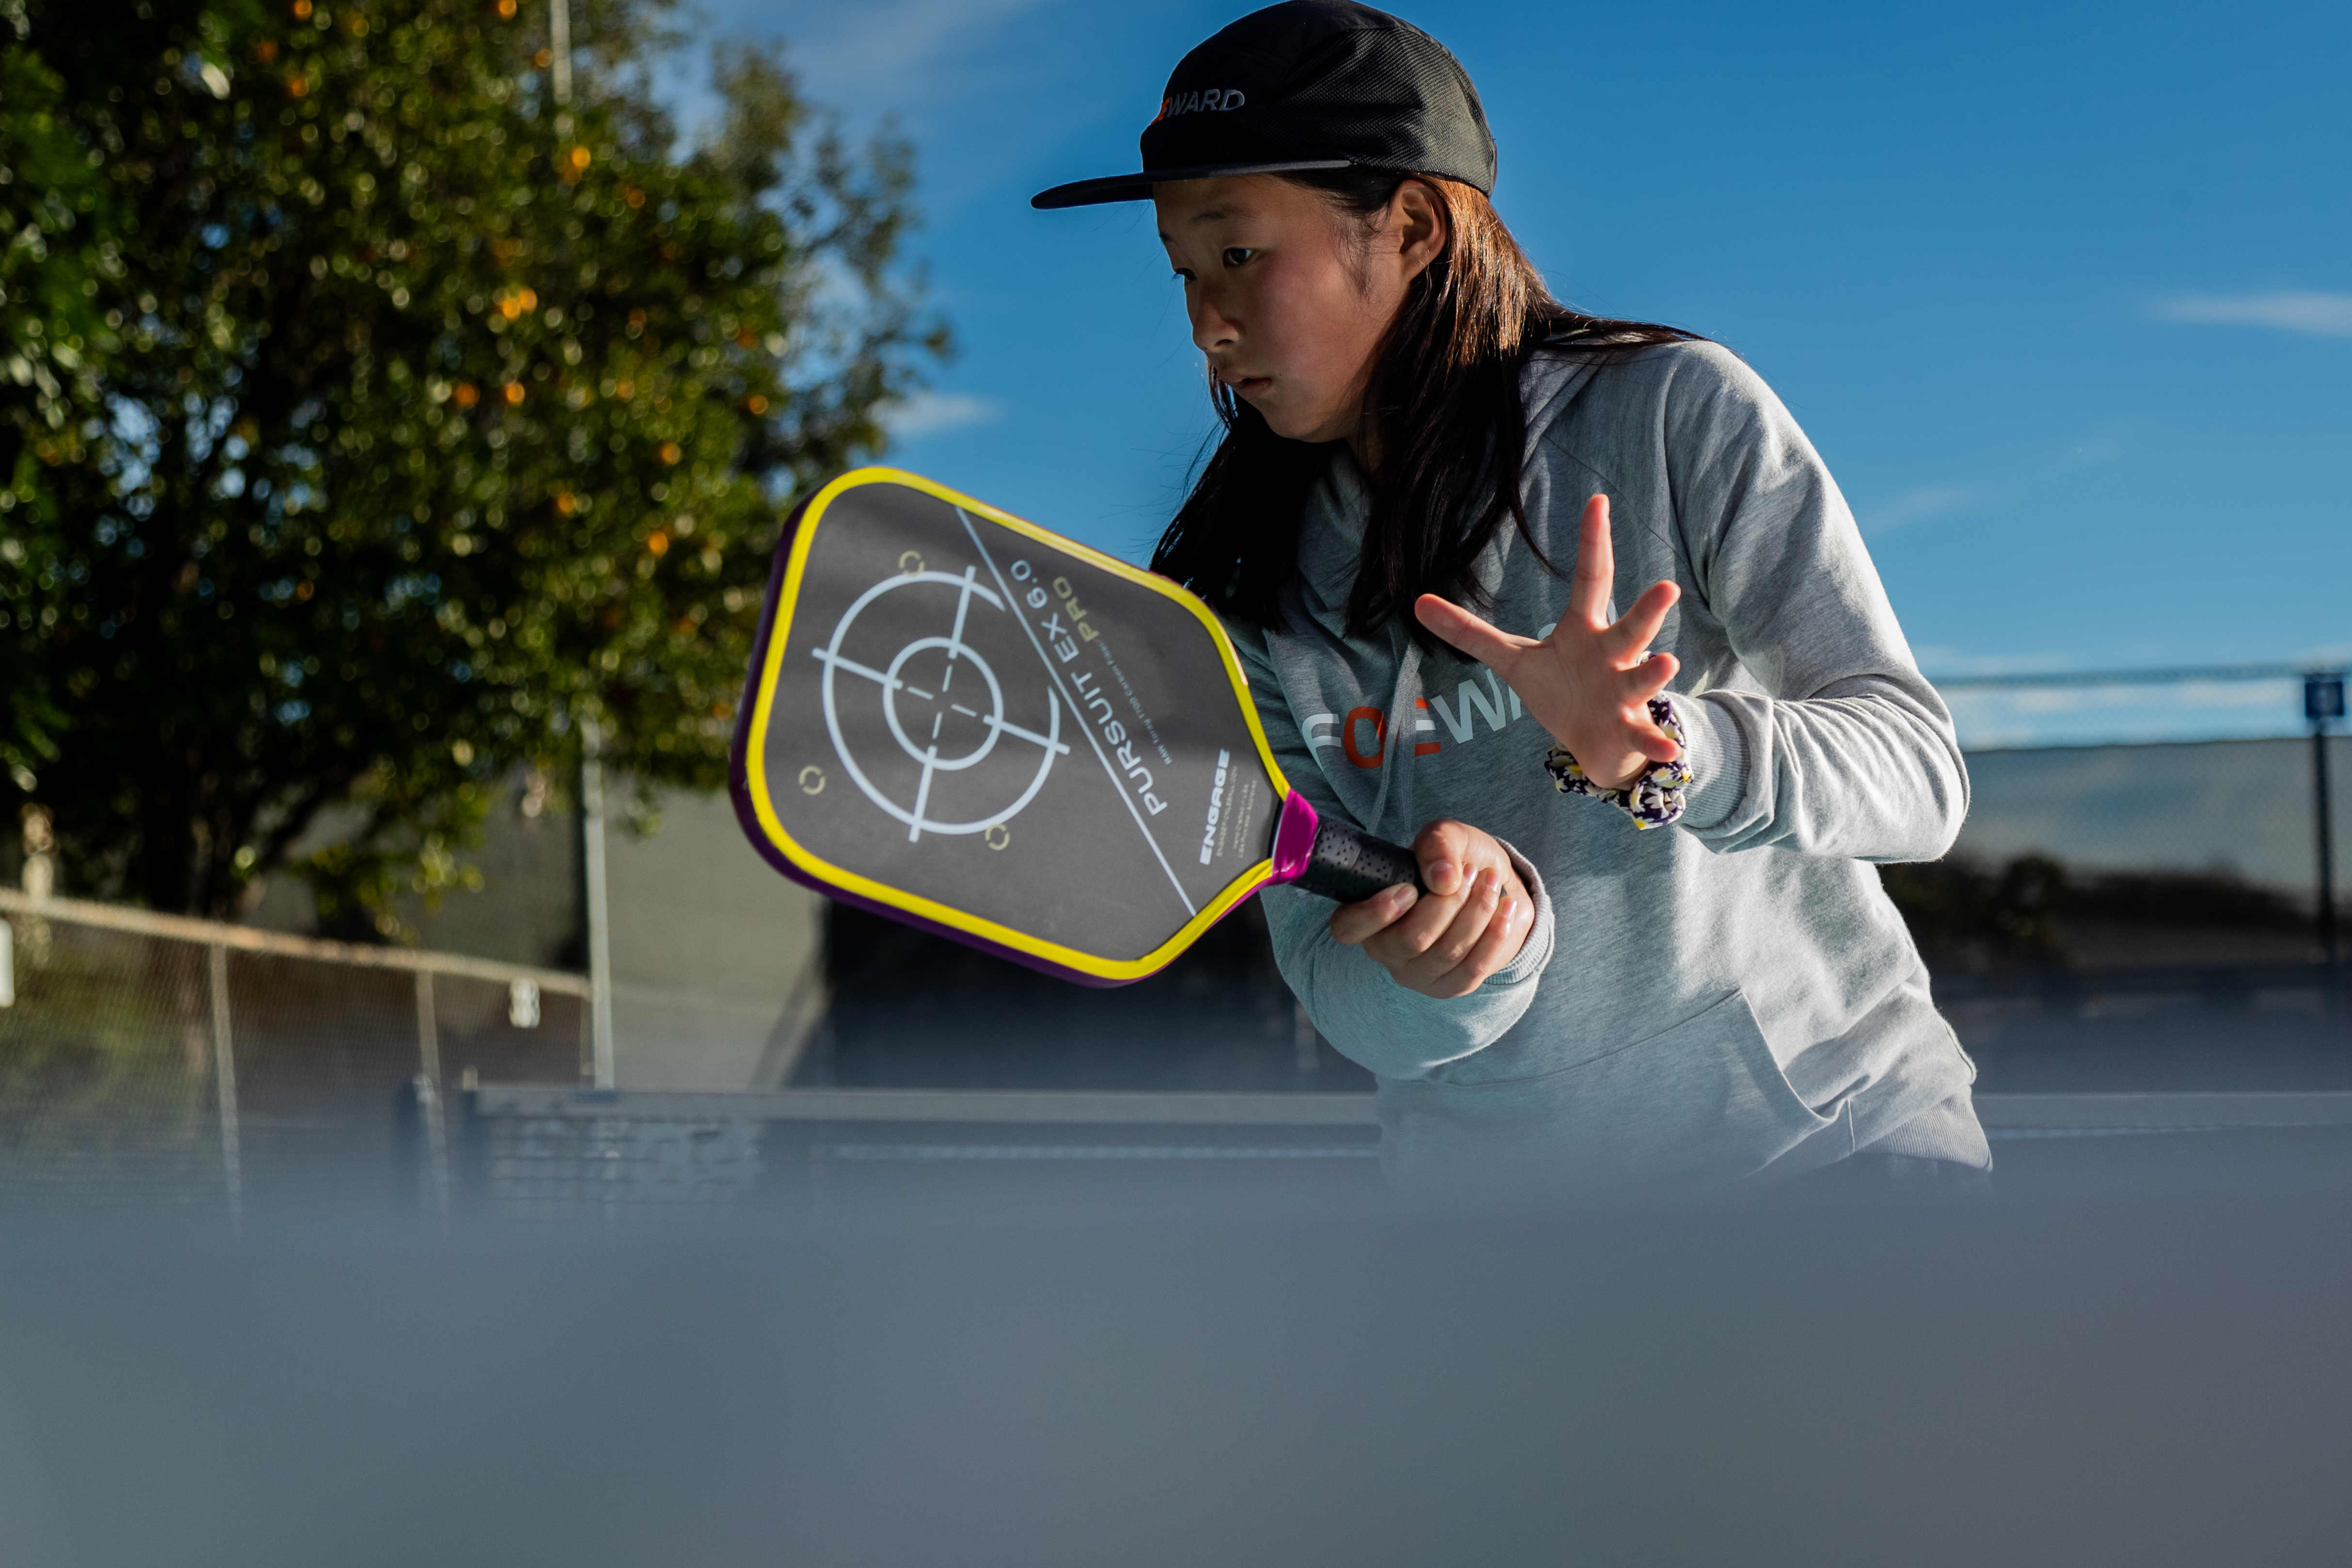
x=1250 y=386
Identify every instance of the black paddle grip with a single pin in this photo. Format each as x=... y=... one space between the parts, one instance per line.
x=1351 y=865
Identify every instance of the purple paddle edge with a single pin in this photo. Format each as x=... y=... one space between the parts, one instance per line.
x=1286 y=838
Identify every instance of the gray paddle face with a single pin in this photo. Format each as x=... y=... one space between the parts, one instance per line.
x=961 y=720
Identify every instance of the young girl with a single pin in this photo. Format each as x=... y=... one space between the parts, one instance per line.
x=1571 y=605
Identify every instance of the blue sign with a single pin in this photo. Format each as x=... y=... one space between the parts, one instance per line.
x=2323 y=698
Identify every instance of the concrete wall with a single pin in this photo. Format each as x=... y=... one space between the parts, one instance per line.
x=718 y=961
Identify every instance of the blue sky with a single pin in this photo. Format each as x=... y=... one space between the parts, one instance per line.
x=2062 y=292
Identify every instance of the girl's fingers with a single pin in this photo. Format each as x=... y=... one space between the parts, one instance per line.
x=1638 y=732
x=1596 y=566
x=1648 y=678
x=1490 y=645
x=1638 y=627
x=1496 y=947
x=1444 y=850
x=1454 y=945
x=1424 y=926
x=1444 y=944
x=1657 y=745
x=1643 y=736
x=1355 y=923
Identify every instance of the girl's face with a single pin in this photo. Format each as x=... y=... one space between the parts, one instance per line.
x=1288 y=296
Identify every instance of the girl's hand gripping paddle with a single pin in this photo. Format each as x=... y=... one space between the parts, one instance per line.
x=960 y=720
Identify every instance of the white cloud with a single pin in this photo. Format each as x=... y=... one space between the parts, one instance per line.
x=1943 y=660
x=2304 y=310
x=870 y=58
x=2102 y=715
x=1917 y=503
x=890 y=39
x=929 y=413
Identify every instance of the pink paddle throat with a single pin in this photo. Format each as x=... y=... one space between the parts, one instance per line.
x=1294 y=838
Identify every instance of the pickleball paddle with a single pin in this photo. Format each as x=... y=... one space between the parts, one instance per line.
x=960 y=720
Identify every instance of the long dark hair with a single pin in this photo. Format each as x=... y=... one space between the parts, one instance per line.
x=1448 y=425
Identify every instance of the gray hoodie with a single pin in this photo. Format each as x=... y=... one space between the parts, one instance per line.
x=1705 y=1001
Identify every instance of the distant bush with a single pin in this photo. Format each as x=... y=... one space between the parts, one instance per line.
x=2182 y=898
x=1969 y=916
x=1965 y=915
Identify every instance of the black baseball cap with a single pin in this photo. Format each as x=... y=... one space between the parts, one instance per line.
x=1307 y=84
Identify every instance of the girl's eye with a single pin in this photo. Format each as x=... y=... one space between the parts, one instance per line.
x=1184 y=273
x=1235 y=255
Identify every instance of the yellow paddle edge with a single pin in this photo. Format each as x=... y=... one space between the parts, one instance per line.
x=1115 y=971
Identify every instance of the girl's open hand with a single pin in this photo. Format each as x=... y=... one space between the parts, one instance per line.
x=1473 y=920
x=1589 y=682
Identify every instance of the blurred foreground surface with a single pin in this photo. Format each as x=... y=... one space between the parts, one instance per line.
x=325 y=1256
x=2134 y=1349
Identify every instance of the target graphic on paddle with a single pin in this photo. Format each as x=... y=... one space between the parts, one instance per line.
x=963 y=721
x=937 y=731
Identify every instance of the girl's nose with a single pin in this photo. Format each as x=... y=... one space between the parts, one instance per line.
x=1211 y=329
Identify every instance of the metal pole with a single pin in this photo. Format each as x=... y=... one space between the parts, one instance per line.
x=600 y=937
x=428 y=1092
x=2322 y=816
x=428 y=1029
x=225 y=1092
x=1303 y=1042
x=559 y=48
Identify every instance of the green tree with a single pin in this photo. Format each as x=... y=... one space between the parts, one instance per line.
x=52 y=260
x=1969 y=916
x=419 y=417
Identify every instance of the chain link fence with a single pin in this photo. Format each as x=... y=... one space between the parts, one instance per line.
x=2116 y=917
x=2155 y=913
x=149 y=1059
x=2088 y=853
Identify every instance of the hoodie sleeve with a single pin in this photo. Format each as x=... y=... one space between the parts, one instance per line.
x=1847 y=750
x=1354 y=1004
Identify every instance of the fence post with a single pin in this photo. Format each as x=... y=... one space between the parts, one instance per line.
x=225 y=1090
x=428 y=1093
x=1305 y=1057
x=2322 y=813
x=600 y=936
x=2323 y=699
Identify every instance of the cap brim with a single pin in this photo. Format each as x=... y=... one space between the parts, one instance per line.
x=1138 y=187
